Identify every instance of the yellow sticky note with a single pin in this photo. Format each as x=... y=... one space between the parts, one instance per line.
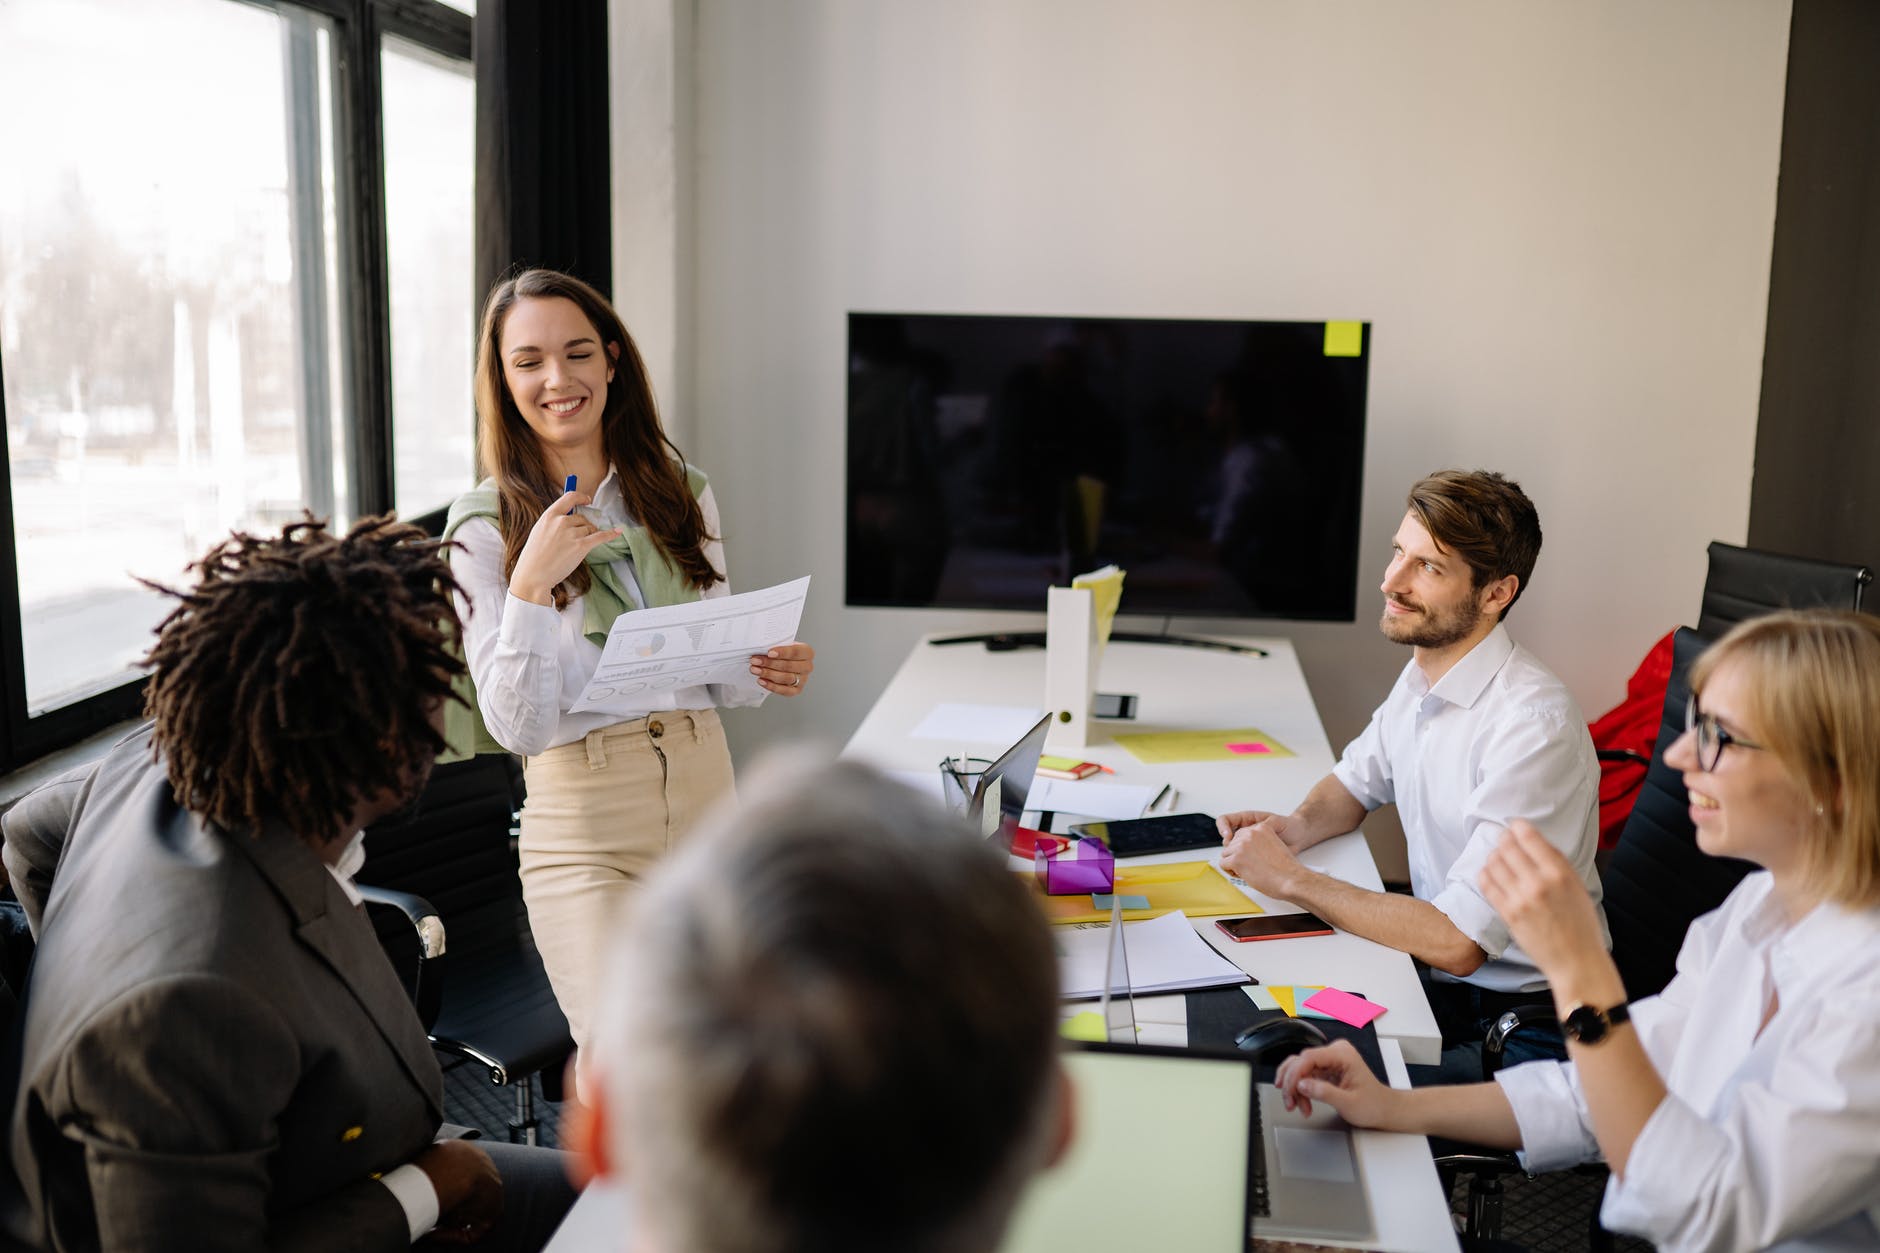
x=1160 y=748
x=1086 y=1026
x=1344 y=339
x=1285 y=998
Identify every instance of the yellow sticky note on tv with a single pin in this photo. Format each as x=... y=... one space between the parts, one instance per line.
x=1344 y=339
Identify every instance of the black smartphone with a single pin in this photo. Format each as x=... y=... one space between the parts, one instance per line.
x=1274 y=926
x=1163 y=833
x=1113 y=705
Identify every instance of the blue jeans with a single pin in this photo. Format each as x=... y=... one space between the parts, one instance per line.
x=1464 y=1014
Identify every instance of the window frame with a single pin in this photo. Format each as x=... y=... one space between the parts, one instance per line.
x=366 y=391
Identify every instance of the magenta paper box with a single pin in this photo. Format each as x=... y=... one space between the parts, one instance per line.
x=1083 y=867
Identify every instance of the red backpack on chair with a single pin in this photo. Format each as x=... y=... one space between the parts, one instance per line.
x=1624 y=736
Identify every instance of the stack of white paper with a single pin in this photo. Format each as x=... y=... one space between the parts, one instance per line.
x=1164 y=955
x=1109 y=802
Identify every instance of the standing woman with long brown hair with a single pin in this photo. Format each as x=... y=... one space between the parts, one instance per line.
x=562 y=394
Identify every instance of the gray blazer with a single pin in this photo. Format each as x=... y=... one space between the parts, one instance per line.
x=217 y=1054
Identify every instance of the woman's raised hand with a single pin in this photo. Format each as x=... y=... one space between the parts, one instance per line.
x=558 y=543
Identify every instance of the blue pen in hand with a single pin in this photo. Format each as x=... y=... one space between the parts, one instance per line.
x=569 y=487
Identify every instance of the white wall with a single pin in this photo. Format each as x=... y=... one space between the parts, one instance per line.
x=1556 y=215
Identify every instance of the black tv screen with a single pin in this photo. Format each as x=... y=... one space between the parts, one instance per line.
x=1219 y=463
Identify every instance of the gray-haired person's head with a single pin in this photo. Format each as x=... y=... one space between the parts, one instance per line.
x=832 y=1027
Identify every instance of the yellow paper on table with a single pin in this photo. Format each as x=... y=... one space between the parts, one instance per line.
x=1284 y=996
x=1158 y=748
x=1194 y=887
x=1106 y=593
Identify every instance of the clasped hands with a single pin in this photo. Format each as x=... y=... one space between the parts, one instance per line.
x=469 y=1191
x=1258 y=852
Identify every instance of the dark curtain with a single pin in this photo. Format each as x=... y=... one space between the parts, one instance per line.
x=1817 y=441
x=542 y=188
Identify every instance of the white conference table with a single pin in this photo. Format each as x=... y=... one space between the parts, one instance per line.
x=1181 y=688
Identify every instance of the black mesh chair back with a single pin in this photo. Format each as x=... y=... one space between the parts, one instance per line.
x=1658 y=881
x=456 y=851
x=1743 y=582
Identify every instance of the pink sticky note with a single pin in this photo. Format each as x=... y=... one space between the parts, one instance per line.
x=1345 y=1007
x=1248 y=748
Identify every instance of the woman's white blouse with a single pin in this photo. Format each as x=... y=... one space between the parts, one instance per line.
x=531 y=662
x=1762 y=1141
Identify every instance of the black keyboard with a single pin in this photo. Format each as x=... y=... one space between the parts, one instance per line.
x=1159 y=833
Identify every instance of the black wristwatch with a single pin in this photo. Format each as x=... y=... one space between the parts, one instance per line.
x=1587 y=1025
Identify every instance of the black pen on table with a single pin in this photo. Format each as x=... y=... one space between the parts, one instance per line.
x=1168 y=790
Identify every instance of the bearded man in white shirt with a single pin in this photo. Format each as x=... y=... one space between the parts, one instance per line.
x=1475 y=733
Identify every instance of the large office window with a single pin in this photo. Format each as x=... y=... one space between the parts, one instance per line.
x=220 y=305
x=430 y=144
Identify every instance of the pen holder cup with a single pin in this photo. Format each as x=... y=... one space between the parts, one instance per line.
x=959 y=781
x=1085 y=866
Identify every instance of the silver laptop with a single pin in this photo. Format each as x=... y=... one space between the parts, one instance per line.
x=1183 y=1150
x=1180 y=1150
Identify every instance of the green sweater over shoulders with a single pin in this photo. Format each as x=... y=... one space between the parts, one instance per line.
x=660 y=583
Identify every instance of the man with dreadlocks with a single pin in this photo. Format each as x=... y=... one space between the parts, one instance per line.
x=216 y=1052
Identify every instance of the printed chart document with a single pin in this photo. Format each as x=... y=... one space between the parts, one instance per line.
x=707 y=641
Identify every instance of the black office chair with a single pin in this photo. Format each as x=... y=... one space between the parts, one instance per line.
x=1658 y=881
x=448 y=905
x=1744 y=582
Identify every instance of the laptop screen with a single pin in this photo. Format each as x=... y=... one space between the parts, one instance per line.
x=1161 y=1158
x=1010 y=778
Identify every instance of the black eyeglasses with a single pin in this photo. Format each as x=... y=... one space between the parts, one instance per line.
x=1712 y=739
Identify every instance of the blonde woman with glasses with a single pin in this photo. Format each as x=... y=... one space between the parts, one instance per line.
x=1740 y=1107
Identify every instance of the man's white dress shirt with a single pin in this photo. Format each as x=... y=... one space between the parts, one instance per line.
x=531 y=662
x=1497 y=738
x=1763 y=1141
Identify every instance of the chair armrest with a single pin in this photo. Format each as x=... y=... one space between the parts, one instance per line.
x=426 y=980
x=424 y=919
x=1506 y=1025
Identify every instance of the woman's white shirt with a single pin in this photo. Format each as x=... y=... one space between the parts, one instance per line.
x=1762 y=1141
x=531 y=662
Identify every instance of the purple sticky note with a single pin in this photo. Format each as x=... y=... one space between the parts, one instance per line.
x=1343 y=1006
x=1248 y=748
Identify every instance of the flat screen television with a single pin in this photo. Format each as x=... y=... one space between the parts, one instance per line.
x=1219 y=463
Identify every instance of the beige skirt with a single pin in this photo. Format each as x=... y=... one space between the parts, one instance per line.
x=600 y=812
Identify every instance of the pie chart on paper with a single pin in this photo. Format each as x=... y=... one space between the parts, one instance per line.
x=649 y=645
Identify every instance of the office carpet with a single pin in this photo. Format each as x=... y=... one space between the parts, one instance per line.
x=1549 y=1213
x=470 y=1099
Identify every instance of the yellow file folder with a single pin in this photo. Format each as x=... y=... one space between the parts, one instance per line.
x=1194 y=887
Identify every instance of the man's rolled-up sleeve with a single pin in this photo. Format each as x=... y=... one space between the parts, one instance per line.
x=1364 y=767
